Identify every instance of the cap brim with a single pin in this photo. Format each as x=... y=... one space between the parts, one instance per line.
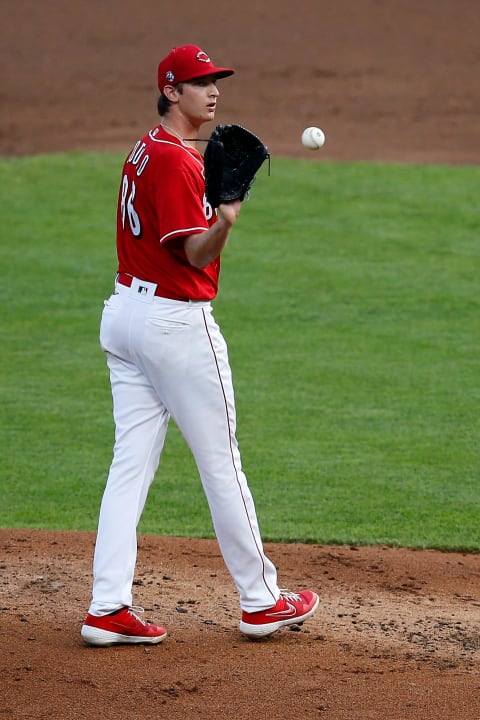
x=224 y=72
x=216 y=72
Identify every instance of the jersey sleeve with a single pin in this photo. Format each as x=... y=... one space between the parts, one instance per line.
x=179 y=201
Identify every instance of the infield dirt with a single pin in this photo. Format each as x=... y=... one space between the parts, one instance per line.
x=397 y=634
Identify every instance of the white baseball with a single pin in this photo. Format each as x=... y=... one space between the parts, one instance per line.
x=313 y=138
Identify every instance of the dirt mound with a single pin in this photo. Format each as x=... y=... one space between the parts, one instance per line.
x=397 y=635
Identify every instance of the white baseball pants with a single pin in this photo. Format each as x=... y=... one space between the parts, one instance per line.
x=169 y=359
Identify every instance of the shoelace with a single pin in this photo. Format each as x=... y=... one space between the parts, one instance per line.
x=287 y=595
x=133 y=612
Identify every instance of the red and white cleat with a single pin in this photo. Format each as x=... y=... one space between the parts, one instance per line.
x=292 y=608
x=121 y=627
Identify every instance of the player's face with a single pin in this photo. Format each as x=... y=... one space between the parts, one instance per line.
x=198 y=100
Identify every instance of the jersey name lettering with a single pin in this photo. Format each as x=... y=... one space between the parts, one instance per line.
x=137 y=157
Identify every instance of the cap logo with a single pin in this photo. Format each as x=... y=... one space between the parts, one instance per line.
x=170 y=76
x=203 y=57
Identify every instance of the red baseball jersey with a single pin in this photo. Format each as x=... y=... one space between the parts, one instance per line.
x=161 y=201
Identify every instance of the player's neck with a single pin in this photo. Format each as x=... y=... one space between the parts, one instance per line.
x=180 y=130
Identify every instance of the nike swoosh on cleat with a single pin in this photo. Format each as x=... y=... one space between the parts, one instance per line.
x=288 y=613
x=127 y=630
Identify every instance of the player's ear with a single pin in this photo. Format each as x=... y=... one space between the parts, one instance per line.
x=171 y=93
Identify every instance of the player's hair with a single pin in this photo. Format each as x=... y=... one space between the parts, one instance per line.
x=164 y=103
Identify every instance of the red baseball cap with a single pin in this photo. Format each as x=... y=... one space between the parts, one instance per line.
x=187 y=63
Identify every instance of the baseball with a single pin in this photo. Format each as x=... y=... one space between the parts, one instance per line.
x=313 y=138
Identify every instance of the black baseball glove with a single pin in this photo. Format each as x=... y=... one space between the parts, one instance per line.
x=232 y=157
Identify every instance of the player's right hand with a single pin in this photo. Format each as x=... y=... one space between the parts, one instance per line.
x=229 y=211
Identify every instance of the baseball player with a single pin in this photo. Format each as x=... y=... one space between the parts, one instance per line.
x=167 y=359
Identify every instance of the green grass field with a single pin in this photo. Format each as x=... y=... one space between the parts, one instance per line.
x=349 y=299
